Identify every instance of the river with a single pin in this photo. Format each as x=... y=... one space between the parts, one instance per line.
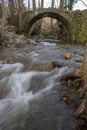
x=30 y=87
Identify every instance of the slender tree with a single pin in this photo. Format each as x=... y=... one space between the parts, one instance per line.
x=38 y=3
x=70 y=4
x=0 y=10
x=28 y=5
x=42 y=3
x=34 y=4
x=11 y=6
x=20 y=13
x=61 y=6
x=52 y=5
x=66 y=4
x=4 y=14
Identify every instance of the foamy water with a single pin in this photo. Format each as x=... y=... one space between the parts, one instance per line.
x=31 y=100
x=17 y=92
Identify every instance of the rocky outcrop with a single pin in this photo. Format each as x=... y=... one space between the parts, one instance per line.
x=11 y=39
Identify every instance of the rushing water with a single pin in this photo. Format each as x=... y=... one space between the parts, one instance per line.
x=31 y=99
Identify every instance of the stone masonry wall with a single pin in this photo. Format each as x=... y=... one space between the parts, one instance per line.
x=76 y=19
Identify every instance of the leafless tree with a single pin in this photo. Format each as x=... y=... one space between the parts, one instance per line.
x=34 y=4
x=11 y=7
x=20 y=14
x=52 y=5
x=4 y=13
x=42 y=3
x=61 y=4
x=28 y=5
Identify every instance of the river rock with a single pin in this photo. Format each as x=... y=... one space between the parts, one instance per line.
x=79 y=60
x=78 y=73
x=47 y=66
x=11 y=28
x=31 y=41
x=67 y=56
x=9 y=39
x=9 y=60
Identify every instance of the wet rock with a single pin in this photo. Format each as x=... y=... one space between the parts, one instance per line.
x=43 y=66
x=9 y=60
x=56 y=64
x=78 y=73
x=78 y=60
x=81 y=54
x=67 y=56
x=71 y=76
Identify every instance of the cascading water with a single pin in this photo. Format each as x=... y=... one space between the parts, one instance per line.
x=31 y=100
x=18 y=89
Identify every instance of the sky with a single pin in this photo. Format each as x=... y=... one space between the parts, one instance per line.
x=79 y=5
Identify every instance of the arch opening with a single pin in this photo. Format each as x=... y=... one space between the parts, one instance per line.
x=52 y=15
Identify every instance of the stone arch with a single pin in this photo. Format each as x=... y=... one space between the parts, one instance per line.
x=51 y=15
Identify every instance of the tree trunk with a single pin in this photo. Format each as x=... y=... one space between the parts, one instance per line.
x=4 y=13
x=28 y=5
x=11 y=10
x=52 y=5
x=84 y=69
x=38 y=3
x=0 y=10
x=61 y=4
x=20 y=14
x=70 y=4
x=42 y=3
x=34 y=4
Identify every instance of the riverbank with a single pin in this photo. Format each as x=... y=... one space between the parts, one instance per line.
x=11 y=39
x=49 y=58
x=43 y=56
x=74 y=97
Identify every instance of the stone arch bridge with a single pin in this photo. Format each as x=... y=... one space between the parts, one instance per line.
x=74 y=21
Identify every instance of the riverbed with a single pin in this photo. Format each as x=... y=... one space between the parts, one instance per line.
x=30 y=88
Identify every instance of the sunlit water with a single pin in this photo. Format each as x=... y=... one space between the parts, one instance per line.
x=31 y=100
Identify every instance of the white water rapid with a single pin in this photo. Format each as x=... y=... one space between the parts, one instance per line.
x=18 y=89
